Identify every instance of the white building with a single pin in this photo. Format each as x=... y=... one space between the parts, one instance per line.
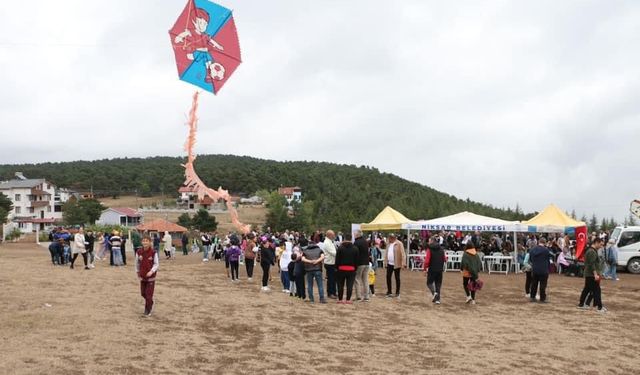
x=124 y=216
x=189 y=198
x=33 y=202
x=291 y=194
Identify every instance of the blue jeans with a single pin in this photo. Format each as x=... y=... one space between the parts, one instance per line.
x=66 y=255
x=317 y=276
x=117 y=256
x=205 y=251
x=284 y=277
x=613 y=271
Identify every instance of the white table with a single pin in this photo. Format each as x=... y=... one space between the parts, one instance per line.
x=501 y=260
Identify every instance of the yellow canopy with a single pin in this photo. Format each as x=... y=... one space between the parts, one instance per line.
x=387 y=219
x=552 y=216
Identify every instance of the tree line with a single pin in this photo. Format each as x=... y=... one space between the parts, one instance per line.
x=333 y=195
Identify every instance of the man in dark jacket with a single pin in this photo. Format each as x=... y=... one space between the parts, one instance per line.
x=362 y=272
x=312 y=257
x=592 y=277
x=540 y=257
x=185 y=243
x=434 y=267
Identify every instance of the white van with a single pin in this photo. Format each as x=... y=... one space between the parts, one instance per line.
x=627 y=239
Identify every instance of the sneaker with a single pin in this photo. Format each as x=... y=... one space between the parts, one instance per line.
x=435 y=297
x=397 y=296
x=323 y=301
x=584 y=307
x=473 y=301
x=71 y=266
x=389 y=295
x=532 y=300
x=87 y=268
x=340 y=302
x=250 y=279
x=468 y=299
x=603 y=310
x=348 y=302
x=286 y=291
x=437 y=302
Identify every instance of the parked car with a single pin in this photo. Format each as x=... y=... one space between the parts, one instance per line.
x=627 y=239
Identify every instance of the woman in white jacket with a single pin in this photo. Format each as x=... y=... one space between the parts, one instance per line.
x=78 y=246
x=168 y=245
x=285 y=259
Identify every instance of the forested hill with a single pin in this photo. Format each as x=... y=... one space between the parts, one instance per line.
x=341 y=194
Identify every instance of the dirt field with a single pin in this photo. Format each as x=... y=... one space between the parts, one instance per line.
x=60 y=321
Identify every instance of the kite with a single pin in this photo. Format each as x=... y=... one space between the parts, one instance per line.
x=205 y=44
x=635 y=207
x=207 y=51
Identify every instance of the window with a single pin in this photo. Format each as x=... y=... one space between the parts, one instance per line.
x=18 y=210
x=31 y=210
x=629 y=238
x=21 y=225
x=17 y=198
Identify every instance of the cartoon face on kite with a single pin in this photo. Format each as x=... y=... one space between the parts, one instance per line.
x=205 y=44
x=201 y=21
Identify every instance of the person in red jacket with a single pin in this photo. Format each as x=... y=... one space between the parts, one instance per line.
x=146 y=268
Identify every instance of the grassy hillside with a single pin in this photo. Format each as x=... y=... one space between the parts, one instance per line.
x=341 y=194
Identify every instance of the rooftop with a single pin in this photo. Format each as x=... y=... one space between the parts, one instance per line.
x=21 y=184
x=126 y=211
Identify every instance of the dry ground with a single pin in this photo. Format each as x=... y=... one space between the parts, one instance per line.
x=60 y=321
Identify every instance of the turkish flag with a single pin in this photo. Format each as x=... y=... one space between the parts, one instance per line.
x=581 y=242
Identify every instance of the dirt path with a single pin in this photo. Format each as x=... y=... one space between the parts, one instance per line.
x=60 y=321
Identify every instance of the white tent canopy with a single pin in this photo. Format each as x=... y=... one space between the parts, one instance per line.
x=467 y=222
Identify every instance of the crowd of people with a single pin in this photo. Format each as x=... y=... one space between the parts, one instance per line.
x=336 y=265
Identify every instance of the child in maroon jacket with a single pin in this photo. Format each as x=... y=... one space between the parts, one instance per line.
x=146 y=268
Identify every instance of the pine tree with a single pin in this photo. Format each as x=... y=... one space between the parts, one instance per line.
x=593 y=223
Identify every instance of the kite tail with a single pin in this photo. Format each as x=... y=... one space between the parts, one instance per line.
x=192 y=123
x=193 y=180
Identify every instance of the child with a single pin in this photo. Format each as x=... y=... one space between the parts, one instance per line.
x=146 y=269
x=227 y=246
x=372 y=280
x=292 y=278
x=233 y=255
x=116 y=244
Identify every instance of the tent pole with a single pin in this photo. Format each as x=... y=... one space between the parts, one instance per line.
x=515 y=252
x=406 y=251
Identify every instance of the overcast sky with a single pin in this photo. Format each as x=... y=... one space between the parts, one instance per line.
x=504 y=102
